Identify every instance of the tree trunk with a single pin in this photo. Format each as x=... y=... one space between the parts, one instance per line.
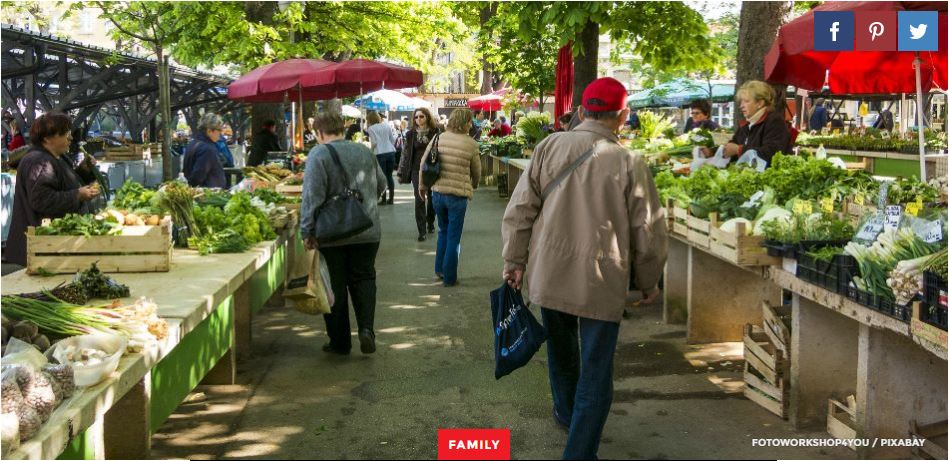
x=263 y=12
x=487 y=73
x=585 y=65
x=164 y=111
x=758 y=27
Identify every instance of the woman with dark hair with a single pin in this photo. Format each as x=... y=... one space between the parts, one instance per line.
x=700 y=110
x=423 y=131
x=46 y=187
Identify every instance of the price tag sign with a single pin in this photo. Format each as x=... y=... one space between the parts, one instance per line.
x=932 y=232
x=871 y=229
x=827 y=204
x=912 y=209
x=859 y=199
x=919 y=203
x=802 y=207
x=894 y=214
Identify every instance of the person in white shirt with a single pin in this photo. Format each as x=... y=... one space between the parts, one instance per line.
x=382 y=138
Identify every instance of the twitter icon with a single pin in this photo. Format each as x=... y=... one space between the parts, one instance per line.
x=919 y=31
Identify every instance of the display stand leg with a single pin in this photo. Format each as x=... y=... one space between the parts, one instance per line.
x=823 y=365
x=675 y=288
x=897 y=382
x=127 y=432
x=722 y=298
x=224 y=373
x=242 y=320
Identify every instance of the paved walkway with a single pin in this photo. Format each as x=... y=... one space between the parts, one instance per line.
x=434 y=369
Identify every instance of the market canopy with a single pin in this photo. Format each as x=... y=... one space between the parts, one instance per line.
x=793 y=60
x=358 y=76
x=680 y=92
x=388 y=100
x=277 y=82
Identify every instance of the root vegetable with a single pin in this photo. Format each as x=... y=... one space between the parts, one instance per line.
x=130 y=219
x=6 y=335
x=152 y=220
x=25 y=330
x=41 y=342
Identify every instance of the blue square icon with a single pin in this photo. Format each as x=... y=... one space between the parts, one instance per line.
x=833 y=30
x=919 y=31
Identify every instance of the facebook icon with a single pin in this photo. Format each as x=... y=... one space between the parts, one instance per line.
x=833 y=30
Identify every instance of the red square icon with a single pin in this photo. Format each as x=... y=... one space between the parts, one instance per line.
x=876 y=30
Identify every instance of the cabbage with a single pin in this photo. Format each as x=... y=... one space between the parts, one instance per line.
x=731 y=225
x=770 y=213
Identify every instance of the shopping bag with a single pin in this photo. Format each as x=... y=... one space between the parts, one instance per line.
x=517 y=334
x=718 y=160
x=752 y=159
x=308 y=287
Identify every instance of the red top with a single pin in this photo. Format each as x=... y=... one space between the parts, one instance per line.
x=18 y=141
x=505 y=130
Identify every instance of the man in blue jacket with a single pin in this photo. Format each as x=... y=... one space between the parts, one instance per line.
x=818 y=116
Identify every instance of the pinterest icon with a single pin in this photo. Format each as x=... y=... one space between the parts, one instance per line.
x=876 y=30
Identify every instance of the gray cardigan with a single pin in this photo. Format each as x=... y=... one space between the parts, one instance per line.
x=322 y=179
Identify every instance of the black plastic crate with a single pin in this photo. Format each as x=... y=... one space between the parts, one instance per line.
x=846 y=270
x=891 y=308
x=780 y=249
x=934 y=315
x=934 y=289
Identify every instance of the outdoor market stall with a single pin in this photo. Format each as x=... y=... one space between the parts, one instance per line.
x=207 y=301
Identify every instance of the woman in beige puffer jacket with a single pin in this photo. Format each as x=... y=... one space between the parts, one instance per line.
x=459 y=176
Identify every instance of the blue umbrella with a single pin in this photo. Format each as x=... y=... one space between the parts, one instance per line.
x=681 y=92
x=387 y=100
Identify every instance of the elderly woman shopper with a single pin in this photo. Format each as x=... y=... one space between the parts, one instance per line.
x=382 y=138
x=202 y=165
x=47 y=186
x=766 y=132
x=459 y=176
x=416 y=141
x=351 y=261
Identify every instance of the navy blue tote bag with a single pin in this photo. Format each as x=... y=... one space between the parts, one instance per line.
x=517 y=334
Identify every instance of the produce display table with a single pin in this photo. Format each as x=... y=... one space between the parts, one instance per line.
x=837 y=347
x=515 y=168
x=208 y=302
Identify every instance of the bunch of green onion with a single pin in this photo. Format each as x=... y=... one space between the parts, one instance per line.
x=57 y=316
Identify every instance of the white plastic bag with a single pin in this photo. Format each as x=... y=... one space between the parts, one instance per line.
x=21 y=353
x=88 y=375
x=752 y=159
x=718 y=160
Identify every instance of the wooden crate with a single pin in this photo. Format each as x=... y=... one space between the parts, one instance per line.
x=128 y=153
x=935 y=441
x=841 y=421
x=925 y=331
x=774 y=326
x=738 y=247
x=287 y=189
x=139 y=249
x=766 y=371
x=678 y=219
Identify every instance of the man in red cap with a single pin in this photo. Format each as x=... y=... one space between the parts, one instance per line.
x=585 y=213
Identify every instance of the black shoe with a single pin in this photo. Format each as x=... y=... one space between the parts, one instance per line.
x=431 y=229
x=332 y=350
x=382 y=202
x=449 y=285
x=391 y=201
x=421 y=237
x=367 y=341
x=440 y=276
x=560 y=423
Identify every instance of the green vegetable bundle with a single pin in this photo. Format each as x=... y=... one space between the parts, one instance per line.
x=178 y=200
x=812 y=227
x=132 y=196
x=79 y=224
x=220 y=227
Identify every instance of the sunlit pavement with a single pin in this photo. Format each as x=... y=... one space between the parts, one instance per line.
x=434 y=369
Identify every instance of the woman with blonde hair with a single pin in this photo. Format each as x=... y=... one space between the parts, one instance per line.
x=459 y=176
x=382 y=138
x=424 y=129
x=766 y=132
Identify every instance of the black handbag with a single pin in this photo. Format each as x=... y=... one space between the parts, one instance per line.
x=342 y=215
x=432 y=166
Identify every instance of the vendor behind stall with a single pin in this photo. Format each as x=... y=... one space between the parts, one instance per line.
x=766 y=133
x=202 y=166
x=46 y=186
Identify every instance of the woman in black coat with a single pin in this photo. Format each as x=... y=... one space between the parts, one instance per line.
x=423 y=131
x=766 y=132
x=47 y=187
x=202 y=166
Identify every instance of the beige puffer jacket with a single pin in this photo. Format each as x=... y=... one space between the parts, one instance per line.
x=461 y=164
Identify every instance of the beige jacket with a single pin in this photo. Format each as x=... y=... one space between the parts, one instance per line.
x=579 y=244
x=461 y=164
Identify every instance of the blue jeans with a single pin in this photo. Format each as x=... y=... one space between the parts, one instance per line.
x=580 y=364
x=450 y=210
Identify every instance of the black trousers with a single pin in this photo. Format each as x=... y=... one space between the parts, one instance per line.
x=353 y=272
x=424 y=210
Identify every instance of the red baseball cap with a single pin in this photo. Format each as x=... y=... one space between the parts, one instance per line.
x=604 y=95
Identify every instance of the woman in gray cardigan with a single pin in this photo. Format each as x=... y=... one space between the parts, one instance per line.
x=351 y=261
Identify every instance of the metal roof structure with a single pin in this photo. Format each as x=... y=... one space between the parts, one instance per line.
x=42 y=73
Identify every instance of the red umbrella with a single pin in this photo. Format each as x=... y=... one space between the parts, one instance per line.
x=489 y=102
x=792 y=59
x=277 y=82
x=563 y=85
x=357 y=76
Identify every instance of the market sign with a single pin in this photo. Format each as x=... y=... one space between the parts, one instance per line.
x=456 y=102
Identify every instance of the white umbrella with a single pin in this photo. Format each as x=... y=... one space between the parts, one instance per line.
x=388 y=100
x=350 y=111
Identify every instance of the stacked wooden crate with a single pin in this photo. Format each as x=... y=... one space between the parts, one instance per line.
x=138 y=249
x=128 y=153
x=767 y=362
